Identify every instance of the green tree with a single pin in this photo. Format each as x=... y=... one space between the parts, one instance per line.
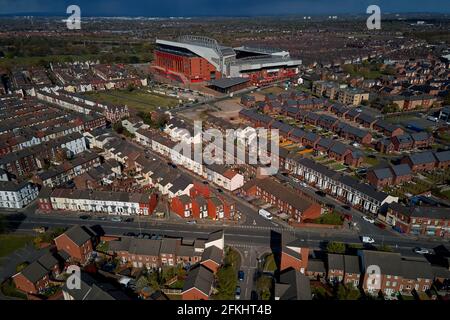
x=141 y=283
x=226 y=283
x=336 y=247
x=347 y=292
x=264 y=287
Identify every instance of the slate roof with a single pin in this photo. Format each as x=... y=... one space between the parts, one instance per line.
x=422 y=157
x=389 y=262
x=200 y=278
x=335 y=261
x=351 y=264
x=412 y=269
x=316 y=265
x=34 y=272
x=383 y=173
x=442 y=156
x=401 y=170
x=212 y=253
x=79 y=234
x=293 y=286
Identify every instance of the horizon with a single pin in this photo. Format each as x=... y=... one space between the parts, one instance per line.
x=226 y=8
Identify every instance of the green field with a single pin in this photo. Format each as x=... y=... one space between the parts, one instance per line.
x=11 y=243
x=138 y=100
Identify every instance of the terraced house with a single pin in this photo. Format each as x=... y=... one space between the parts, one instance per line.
x=349 y=190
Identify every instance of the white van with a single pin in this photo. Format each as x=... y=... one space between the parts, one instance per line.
x=266 y=214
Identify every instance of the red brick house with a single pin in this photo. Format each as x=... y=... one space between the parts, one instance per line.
x=403 y=142
x=199 y=284
x=212 y=258
x=443 y=159
x=36 y=276
x=419 y=220
x=354 y=158
x=335 y=268
x=380 y=178
x=78 y=242
x=293 y=255
x=424 y=161
x=33 y=279
x=284 y=199
x=199 y=207
x=182 y=205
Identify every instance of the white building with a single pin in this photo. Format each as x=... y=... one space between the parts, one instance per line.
x=17 y=195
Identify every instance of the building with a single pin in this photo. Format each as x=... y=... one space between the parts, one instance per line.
x=424 y=161
x=199 y=284
x=352 y=96
x=37 y=276
x=115 y=203
x=419 y=220
x=293 y=255
x=286 y=200
x=293 y=285
x=224 y=177
x=191 y=59
x=78 y=242
x=359 y=195
x=17 y=195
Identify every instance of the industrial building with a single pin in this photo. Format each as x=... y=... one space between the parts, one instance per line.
x=192 y=59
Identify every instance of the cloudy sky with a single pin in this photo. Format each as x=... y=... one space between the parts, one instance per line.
x=218 y=7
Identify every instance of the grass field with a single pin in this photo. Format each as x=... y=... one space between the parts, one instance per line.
x=10 y=243
x=138 y=100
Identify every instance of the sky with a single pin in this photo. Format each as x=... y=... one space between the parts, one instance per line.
x=189 y=8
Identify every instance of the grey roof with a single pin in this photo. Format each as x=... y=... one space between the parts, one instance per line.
x=185 y=251
x=401 y=169
x=92 y=289
x=216 y=235
x=212 y=253
x=200 y=278
x=293 y=286
x=34 y=272
x=404 y=138
x=79 y=234
x=48 y=261
x=226 y=83
x=422 y=211
x=325 y=143
x=12 y=186
x=351 y=264
x=316 y=265
x=412 y=269
x=363 y=188
x=422 y=157
x=339 y=148
x=420 y=136
x=383 y=173
x=169 y=245
x=442 y=156
x=389 y=262
x=335 y=261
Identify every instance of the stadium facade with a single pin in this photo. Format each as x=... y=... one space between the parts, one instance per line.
x=192 y=59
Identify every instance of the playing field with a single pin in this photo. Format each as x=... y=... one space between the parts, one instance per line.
x=138 y=100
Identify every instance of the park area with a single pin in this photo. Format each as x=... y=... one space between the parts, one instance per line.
x=135 y=99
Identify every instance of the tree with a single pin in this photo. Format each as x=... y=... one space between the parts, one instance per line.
x=226 y=283
x=336 y=247
x=347 y=292
x=264 y=287
x=141 y=283
x=22 y=266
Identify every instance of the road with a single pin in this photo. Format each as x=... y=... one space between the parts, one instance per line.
x=239 y=235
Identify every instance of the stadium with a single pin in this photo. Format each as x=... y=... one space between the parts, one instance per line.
x=192 y=59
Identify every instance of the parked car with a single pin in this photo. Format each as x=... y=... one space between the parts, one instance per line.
x=129 y=234
x=40 y=229
x=368 y=240
x=238 y=293
x=370 y=220
x=420 y=250
x=129 y=220
x=85 y=217
x=192 y=222
x=241 y=275
x=102 y=218
x=116 y=219
x=321 y=193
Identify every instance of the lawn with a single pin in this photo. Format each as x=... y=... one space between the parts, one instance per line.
x=137 y=99
x=11 y=243
x=371 y=161
x=330 y=218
